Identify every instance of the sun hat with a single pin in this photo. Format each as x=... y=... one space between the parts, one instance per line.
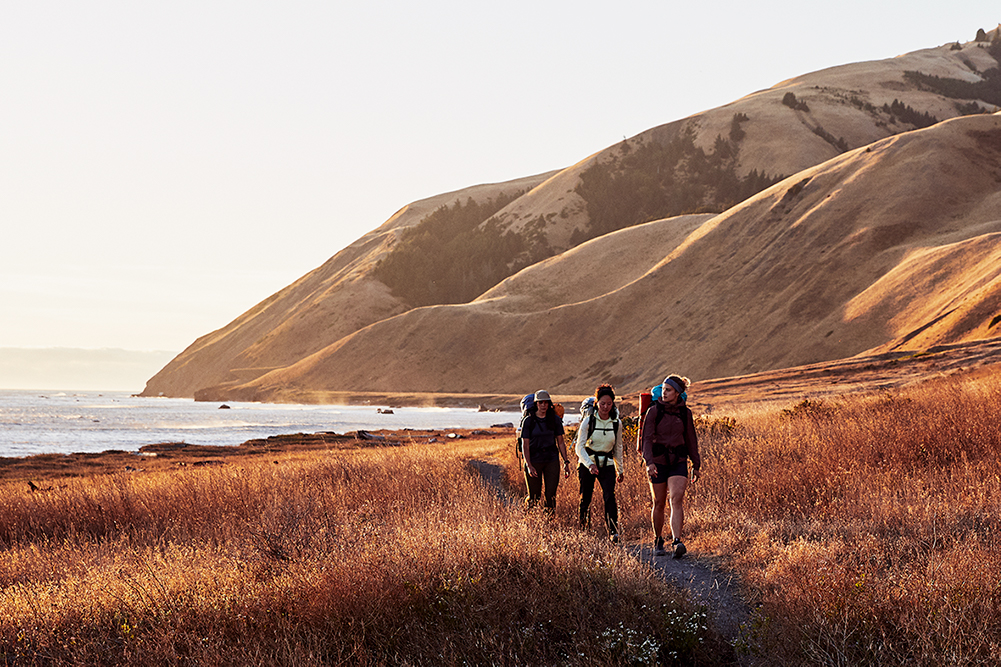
x=542 y=395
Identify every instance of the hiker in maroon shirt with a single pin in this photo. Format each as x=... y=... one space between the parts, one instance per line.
x=669 y=441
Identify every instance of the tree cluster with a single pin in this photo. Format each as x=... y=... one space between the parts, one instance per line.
x=907 y=114
x=789 y=99
x=454 y=254
x=663 y=179
x=987 y=89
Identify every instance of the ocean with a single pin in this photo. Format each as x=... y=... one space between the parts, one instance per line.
x=40 y=422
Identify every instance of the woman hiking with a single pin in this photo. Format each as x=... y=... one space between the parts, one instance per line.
x=543 y=446
x=599 y=456
x=669 y=441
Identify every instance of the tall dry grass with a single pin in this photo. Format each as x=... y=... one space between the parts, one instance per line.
x=382 y=556
x=867 y=527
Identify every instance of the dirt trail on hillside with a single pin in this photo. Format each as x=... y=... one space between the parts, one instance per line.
x=706 y=583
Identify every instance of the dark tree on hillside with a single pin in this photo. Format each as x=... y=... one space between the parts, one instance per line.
x=907 y=114
x=663 y=179
x=456 y=253
x=987 y=89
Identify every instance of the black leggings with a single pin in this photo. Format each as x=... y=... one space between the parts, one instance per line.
x=606 y=478
x=550 y=473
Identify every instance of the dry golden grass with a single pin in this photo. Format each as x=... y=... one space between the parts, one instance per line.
x=866 y=527
x=396 y=555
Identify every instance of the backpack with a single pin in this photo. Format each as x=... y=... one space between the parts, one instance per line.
x=527 y=408
x=673 y=455
x=589 y=412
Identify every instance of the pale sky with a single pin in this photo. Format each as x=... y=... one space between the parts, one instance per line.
x=168 y=165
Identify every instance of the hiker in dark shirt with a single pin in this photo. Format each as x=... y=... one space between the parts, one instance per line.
x=669 y=441
x=543 y=446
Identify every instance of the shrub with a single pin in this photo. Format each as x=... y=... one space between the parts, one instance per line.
x=906 y=114
x=789 y=99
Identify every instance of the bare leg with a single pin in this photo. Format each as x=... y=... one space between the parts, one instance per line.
x=659 y=493
x=676 y=486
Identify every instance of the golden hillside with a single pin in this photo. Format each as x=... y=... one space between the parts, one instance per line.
x=894 y=244
x=334 y=300
x=834 y=260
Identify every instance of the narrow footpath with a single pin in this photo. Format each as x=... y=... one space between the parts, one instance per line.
x=719 y=590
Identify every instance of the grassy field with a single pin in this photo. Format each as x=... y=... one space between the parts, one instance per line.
x=384 y=555
x=866 y=527
x=865 y=530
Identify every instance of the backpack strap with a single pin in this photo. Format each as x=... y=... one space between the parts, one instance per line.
x=592 y=421
x=607 y=456
x=684 y=413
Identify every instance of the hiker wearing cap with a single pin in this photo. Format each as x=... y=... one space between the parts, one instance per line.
x=669 y=441
x=543 y=447
x=599 y=456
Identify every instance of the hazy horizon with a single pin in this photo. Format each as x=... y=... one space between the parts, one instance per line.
x=79 y=369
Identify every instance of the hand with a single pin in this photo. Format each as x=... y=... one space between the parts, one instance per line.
x=594 y=470
x=531 y=471
x=696 y=473
x=651 y=470
x=566 y=468
x=620 y=477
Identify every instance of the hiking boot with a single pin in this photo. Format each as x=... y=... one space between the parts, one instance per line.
x=658 y=547
x=679 y=549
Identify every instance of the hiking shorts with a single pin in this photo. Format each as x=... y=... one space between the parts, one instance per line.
x=679 y=469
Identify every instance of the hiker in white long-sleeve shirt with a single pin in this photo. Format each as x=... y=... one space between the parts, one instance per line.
x=599 y=454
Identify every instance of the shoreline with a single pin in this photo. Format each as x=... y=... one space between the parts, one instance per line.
x=823 y=381
x=166 y=456
x=486 y=402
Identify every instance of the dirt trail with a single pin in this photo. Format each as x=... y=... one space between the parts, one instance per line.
x=718 y=589
x=707 y=584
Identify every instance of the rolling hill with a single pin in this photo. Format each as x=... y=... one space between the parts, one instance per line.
x=882 y=235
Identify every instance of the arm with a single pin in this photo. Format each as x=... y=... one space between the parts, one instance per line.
x=562 y=446
x=528 y=458
x=581 y=448
x=526 y=429
x=693 y=446
x=639 y=435
x=617 y=452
